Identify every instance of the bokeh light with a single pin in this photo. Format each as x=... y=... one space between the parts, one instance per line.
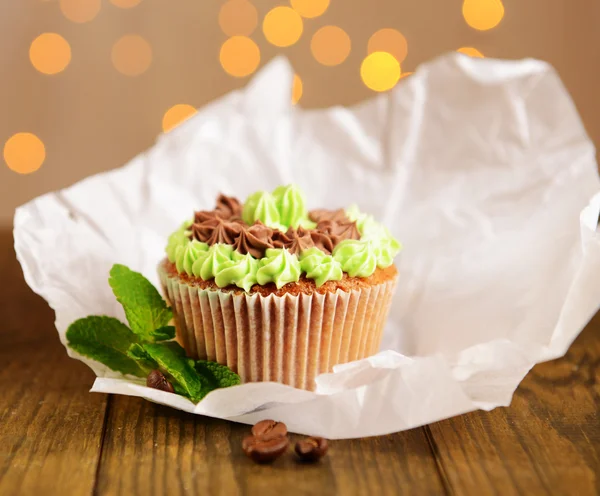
x=238 y=17
x=330 y=45
x=50 y=53
x=125 y=4
x=176 y=115
x=483 y=14
x=239 y=56
x=80 y=10
x=131 y=55
x=297 y=89
x=282 y=26
x=380 y=71
x=470 y=51
x=390 y=41
x=24 y=153
x=310 y=8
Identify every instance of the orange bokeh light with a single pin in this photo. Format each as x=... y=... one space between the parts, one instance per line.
x=483 y=14
x=470 y=51
x=330 y=45
x=24 y=153
x=310 y=8
x=238 y=17
x=50 y=53
x=390 y=41
x=239 y=56
x=282 y=26
x=297 y=89
x=176 y=115
x=131 y=55
x=380 y=71
x=80 y=10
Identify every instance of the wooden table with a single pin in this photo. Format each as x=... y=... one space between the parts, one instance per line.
x=57 y=438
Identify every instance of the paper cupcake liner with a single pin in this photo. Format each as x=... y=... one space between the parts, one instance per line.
x=287 y=339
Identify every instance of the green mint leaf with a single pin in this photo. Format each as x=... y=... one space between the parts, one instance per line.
x=106 y=340
x=171 y=360
x=220 y=376
x=165 y=333
x=145 y=361
x=145 y=309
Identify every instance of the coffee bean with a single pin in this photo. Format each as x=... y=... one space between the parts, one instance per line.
x=311 y=449
x=269 y=429
x=265 y=450
x=157 y=380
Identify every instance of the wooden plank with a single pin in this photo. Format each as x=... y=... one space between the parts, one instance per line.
x=151 y=449
x=547 y=442
x=51 y=427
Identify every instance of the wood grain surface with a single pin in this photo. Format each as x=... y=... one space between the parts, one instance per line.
x=57 y=438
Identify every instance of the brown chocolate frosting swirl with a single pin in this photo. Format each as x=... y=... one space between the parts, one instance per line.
x=228 y=207
x=224 y=225
x=294 y=240
x=338 y=215
x=215 y=230
x=254 y=240
x=322 y=241
x=339 y=231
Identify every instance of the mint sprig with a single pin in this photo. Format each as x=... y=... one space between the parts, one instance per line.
x=145 y=309
x=170 y=359
x=219 y=376
x=148 y=344
x=106 y=340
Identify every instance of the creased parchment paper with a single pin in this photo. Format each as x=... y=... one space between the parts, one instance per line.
x=482 y=169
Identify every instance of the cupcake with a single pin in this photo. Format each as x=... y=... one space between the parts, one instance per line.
x=277 y=292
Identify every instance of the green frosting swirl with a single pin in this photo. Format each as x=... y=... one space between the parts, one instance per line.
x=211 y=262
x=278 y=266
x=291 y=205
x=385 y=246
x=284 y=208
x=187 y=254
x=177 y=239
x=357 y=258
x=241 y=271
x=261 y=206
x=386 y=249
x=320 y=267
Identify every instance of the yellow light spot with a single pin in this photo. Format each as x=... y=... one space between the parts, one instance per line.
x=239 y=56
x=310 y=8
x=125 y=4
x=470 y=51
x=483 y=14
x=330 y=45
x=296 y=89
x=380 y=71
x=238 y=17
x=80 y=10
x=24 y=153
x=50 y=53
x=282 y=26
x=176 y=115
x=131 y=55
x=390 y=41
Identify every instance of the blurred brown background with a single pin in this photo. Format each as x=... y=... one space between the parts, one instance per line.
x=92 y=117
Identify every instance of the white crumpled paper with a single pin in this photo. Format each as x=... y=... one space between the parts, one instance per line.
x=482 y=169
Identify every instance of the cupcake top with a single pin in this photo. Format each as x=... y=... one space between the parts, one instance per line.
x=273 y=238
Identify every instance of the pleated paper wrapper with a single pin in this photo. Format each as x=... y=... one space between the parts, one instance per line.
x=289 y=339
x=480 y=167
